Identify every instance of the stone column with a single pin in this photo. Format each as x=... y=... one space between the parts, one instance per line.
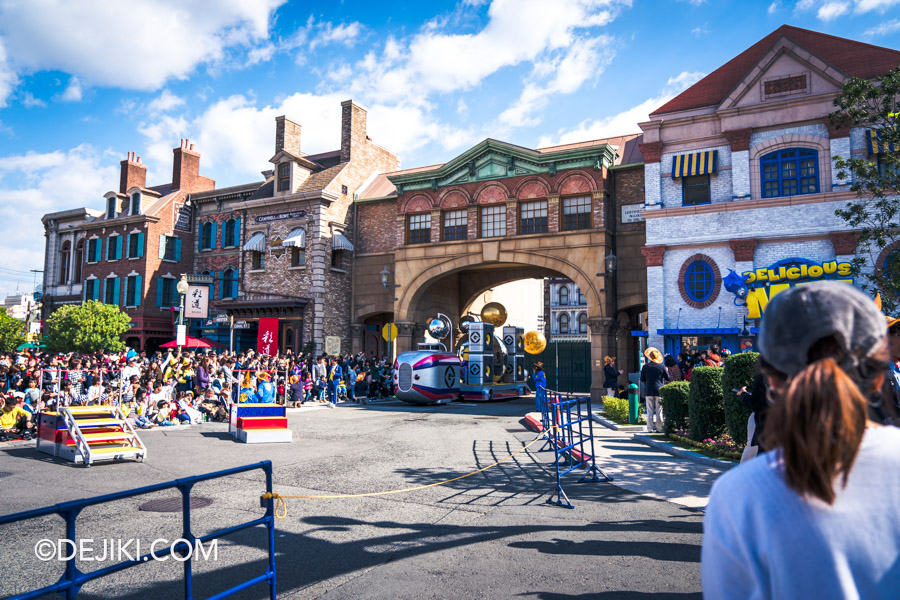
x=472 y=223
x=436 y=225
x=512 y=217
x=652 y=152
x=739 y=140
x=603 y=343
x=404 y=341
x=356 y=338
x=553 y=213
x=598 y=207
x=743 y=254
x=839 y=141
x=656 y=299
x=401 y=230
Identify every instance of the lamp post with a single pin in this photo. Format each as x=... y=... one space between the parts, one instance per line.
x=182 y=289
x=384 y=276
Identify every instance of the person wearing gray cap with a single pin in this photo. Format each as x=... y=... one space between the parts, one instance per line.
x=818 y=516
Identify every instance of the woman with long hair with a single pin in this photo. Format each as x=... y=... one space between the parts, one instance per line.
x=818 y=516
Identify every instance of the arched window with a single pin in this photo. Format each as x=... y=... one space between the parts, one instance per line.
x=206 y=236
x=564 y=295
x=228 y=283
x=289 y=339
x=79 y=258
x=790 y=172
x=564 y=323
x=230 y=234
x=581 y=299
x=64 y=255
x=136 y=203
x=582 y=323
x=111 y=207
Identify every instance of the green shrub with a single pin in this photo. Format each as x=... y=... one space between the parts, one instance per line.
x=706 y=415
x=739 y=371
x=675 y=405
x=616 y=409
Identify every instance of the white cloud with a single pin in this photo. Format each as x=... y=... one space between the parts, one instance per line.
x=29 y=101
x=135 y=45
x=864 y=6
x=805 y=5
x=832 y=10
x=774 y=7
x=73 y=92
x=885 y=28
x=345 y=34
x=166 y=101
x=8 y=78
x=698 y=31
x=626 y=121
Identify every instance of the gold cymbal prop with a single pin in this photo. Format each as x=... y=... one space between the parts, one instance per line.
x=494 y=313
x=535 y=342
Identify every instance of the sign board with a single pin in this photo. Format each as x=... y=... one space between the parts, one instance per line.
x=282 y=216
x=763 y=283
x=267 y=337
x=332 y=345
x=181 y=334
x=183 y=217
x=220 y=318
x=209 y=332
x=196 y=302
x=631 y=213
x=34 y=327
x=241 y=325
x=389 y=332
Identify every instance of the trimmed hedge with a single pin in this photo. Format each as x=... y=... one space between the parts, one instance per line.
x=738 y=372
x=706 y=414
x=616 y=409
x=675 y=405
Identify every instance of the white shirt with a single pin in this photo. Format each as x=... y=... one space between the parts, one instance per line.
x=762 y=540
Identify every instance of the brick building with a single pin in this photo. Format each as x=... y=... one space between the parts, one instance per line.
x=739 y=179
x=133 y=252
x=566 y=311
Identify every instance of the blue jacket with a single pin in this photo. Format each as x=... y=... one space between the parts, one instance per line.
x=540 y=380
x=265 y=392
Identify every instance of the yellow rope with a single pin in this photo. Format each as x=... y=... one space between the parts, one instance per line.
x=281 y=506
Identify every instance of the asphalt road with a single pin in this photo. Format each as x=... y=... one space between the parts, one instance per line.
x=487 y=536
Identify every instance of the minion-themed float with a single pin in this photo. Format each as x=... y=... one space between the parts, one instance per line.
x=489 y=362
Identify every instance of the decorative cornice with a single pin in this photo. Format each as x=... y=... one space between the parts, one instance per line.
x=743 y=249
x=844 y=242
x=652 y=151
x=738 y=139
x=654 y=255
x=836 y=131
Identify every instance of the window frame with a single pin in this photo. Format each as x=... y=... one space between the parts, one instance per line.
x=284 y=177
x=534 y=222
x=497 y=210
x=230 y=226
x=168 y=285
x=568 y=218
x=563 y=318
x=690 y=280
x=135 y=204
x=227 y=283
x=694 y=184
x=413 y=235
x=111 y=207
x=131 y=292
x=456 y=228
x=170 y=248
x=109 y=289
x=257 y=260
x=298 y=257
x=582 y=323
x=778 y=159
x=559 y=295
x=65 y=262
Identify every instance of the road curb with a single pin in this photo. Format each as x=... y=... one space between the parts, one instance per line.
x=682 y=453
x=615 y=426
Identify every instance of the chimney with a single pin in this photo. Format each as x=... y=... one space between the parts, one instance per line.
x=185 y=167
x=287 y=135
x=353 y=128
x=134 y=173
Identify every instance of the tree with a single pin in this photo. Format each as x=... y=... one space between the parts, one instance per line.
x=87 y=327
x=11 y=332
x=874 y=214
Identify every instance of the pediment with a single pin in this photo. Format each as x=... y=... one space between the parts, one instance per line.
x=788 y=70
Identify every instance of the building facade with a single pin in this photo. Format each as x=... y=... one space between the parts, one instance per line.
x=566 y=311
x=740 y=187
x=64 y=257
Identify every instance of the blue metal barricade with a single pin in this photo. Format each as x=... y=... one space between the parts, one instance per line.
x=72 y=580
x=572 y=441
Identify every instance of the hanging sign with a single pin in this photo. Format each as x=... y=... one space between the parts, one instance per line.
x=196 y=302
x=267 y=338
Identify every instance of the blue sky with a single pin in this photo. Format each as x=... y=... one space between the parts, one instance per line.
x=84 y=82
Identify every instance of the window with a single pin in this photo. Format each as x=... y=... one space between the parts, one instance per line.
x=93 y=250
x=564 y=323
x=230 y=234
x=298 y=257
x=111 y=290
x=699 y=280
x=91 y=289
x=582 y=322
x=79 y=258
x=284 y=177
x=337 y=258
x=790 y=172
x=581 y=299
x=114 y=247
x=133 y=291
x=206 y=236
x=564 y=295
x=889 y=171
x=456 y=225
x=228 y=283
x=135 y=245
x=169 y=248
x=258 y=261
x=64 y=263
x=419 y=229
x=493 y=220
x=111 y=207
x=136 y=203
x=533 y=217
x=695 y=190
x=576 y=213
x=169 y=295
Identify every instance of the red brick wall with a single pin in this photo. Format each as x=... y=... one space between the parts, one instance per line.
x=376 y=226
x=629 y=188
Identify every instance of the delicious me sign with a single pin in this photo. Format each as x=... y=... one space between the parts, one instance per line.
x=764 y=283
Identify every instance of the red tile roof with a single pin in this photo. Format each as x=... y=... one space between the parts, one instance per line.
x=853 y=58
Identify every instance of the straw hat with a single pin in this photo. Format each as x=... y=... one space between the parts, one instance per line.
x=609 y=359
x=653 y=355
x=539 y=365
x=262 y=376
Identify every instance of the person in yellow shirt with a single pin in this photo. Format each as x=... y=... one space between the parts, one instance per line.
x=14 y=420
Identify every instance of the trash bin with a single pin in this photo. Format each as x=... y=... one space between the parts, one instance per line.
x=634 y=411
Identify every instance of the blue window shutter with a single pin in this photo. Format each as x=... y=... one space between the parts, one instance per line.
x=221 y=284
x=96 y=290
x=234 y=281
x=128 y=245
x=117 y=248
x=214 y=236
x=159 y=291
x=84 y=290
x=138 y=290
x=116 y=290
x=140 y=245
x=108 y=244
x=162 y=247
x=98 y=247
x=105 y=283
x=177 y=249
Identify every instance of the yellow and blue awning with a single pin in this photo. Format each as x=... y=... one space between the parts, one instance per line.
x=876 y=146
x=697 y=163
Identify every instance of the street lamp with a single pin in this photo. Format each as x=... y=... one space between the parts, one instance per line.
x=610 y=263
x=182 y=288
x=384 y=276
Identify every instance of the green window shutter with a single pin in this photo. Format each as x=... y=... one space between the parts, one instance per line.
x=138 y=290
x=159 y=291
x=177 y=249
x=162 y=247
x=140 y=244
x=116 y=291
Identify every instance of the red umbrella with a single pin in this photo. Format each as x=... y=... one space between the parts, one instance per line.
x=192 y=342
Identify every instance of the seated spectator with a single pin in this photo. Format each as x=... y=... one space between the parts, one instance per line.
x=15 y=421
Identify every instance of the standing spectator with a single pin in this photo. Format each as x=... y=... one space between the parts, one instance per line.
x=334 y=379
x=538 y=377
x=351 y=382
x=611 y=375
x=654 y=376
x=673 y=369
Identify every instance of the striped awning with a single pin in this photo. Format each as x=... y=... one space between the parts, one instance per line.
x=875 y=145
x=256 y=243
x=340 y=242
x=698 y=163
x=297 y=237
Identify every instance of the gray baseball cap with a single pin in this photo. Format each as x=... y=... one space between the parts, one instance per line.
x=797 y=318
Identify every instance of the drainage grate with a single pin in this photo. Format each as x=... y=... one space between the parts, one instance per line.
x=165 y=505
x=4 y=474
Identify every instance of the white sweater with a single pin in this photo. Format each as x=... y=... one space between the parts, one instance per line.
x=762 y=540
